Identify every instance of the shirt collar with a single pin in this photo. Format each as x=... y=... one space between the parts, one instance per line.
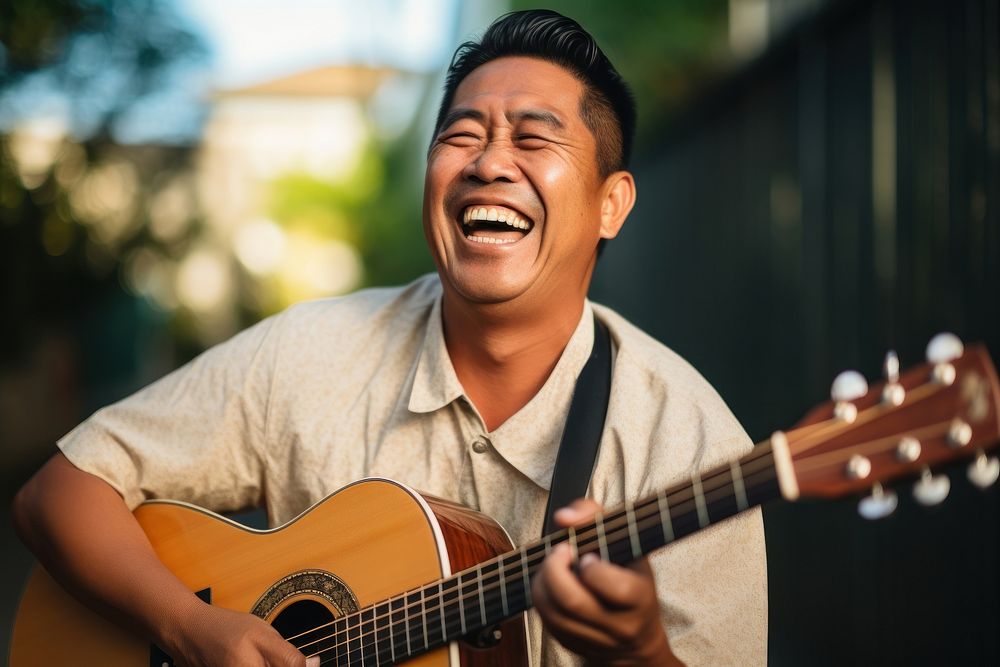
x=435 y=384
x=529 y=440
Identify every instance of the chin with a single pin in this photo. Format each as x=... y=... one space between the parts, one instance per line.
x=486 y=289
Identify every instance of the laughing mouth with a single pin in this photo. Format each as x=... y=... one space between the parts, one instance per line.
x=496 y=225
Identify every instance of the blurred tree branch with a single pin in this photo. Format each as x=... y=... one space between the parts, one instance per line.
x=100 y=58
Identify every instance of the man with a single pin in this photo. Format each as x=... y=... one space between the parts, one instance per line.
x=458 y=385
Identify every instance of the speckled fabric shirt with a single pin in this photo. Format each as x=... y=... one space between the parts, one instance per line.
x=335 y=390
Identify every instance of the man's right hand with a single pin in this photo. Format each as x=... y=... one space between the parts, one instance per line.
x=213 y=636
x=86 y=537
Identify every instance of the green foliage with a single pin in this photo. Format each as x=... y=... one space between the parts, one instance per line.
x=665 y=49
x=376 y=208
x=101 y=57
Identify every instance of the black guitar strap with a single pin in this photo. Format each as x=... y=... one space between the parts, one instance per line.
x=582 y=434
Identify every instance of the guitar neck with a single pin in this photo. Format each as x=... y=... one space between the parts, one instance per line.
x=480 y=597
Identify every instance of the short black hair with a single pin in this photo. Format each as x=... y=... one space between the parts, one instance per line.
x=607 y=107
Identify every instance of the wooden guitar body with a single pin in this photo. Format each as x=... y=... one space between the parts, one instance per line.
x=367 y=542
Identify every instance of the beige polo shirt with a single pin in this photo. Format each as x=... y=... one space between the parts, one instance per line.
x=334 y=390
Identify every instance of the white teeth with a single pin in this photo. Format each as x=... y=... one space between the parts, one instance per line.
x=490 y=240
x=494 y=215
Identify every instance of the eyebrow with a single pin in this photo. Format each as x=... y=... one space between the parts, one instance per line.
x=546 y=117
x=460 y=113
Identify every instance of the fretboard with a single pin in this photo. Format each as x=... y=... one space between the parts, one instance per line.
x=480 y=597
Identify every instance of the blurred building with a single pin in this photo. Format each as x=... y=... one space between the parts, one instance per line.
x=313 y=121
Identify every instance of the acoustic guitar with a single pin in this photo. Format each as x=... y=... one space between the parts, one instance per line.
x=378 y=574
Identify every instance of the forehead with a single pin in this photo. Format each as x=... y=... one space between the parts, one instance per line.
x=516 y=82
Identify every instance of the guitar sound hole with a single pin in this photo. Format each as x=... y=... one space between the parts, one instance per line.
x=300 y=617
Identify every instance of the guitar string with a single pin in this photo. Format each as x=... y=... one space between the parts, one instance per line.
x=814 y=432
x=375 y=648
x=817 y=434
x=585 y=538
x=587 y=542
x=882 y=445
x=673 y=500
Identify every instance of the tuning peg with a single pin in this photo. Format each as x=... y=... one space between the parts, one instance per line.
x=847 y=386
x=943 y=348
x=941 y=351
x=931 y=489
x=983 y=471
x=879 y=504
x=893 y=392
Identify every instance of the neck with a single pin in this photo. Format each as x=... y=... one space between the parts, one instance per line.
x=503 y=354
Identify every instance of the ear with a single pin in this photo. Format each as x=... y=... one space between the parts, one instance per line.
x=617 y=201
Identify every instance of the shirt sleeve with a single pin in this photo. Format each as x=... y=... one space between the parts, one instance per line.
x=713 y=601
x=196 y=435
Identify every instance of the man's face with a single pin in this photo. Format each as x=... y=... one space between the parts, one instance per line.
x=513 y=149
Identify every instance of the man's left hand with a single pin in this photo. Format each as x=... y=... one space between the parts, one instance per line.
x=605 y=613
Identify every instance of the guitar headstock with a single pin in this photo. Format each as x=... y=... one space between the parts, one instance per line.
x=935 y=413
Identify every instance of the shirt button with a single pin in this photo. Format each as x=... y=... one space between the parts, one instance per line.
x=479 y=446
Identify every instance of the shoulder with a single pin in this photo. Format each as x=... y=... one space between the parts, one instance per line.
x=648 y=357
x=669 y=396
x=368 y=306
x=371 y=302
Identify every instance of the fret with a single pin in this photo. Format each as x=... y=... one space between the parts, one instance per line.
x=364 y=633
x=699 y=499
x=479 y=591
x=602 y=540
x=491 y=591
x=340 y=643
x=548 y=545
x=423 y=618
x=665 y=519
x=449 y=596
x=412 y=623
x=461 y=603
x=572 y=544
x=376 y=642
x=406 y=624
x=388 y=632
x=633 y=534
x=353 y=644
x=738 y=486
x=444 y=635
x=392 y=630
x=432 y=612
x=503 y=588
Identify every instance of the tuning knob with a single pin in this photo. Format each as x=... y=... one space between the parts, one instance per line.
x=879 y=504
x=983 y=471
x=943 y=348
x=893 y=392
x=847 y=386
x=941 y=351
x=931 y=489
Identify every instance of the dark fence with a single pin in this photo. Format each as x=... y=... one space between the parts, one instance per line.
x=837 y=198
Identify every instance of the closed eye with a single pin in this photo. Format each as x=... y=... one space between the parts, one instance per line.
x=460 y=139
x=532 y=141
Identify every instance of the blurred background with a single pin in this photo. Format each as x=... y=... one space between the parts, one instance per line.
x=819 y=182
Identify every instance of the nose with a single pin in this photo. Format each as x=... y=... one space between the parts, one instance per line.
x=495 y=163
